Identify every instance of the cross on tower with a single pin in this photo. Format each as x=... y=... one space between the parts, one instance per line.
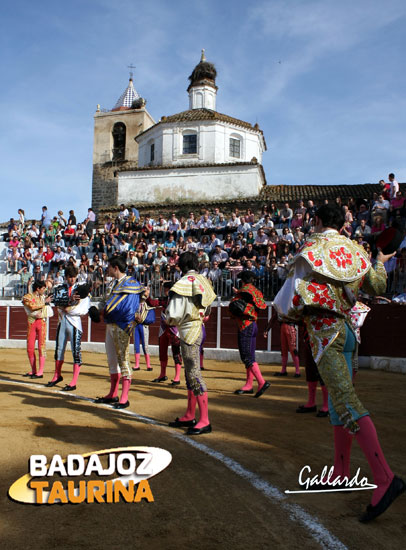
x=131 y=67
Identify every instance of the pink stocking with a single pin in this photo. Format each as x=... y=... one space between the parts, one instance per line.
x=325 y=398
x=41 y=365
x=258 y=376
x=76 y=370
x=191 y=406
x=367 y=439
x=33 y=362
x=114 y=383
x=311 y=398
x=342 y=452
x=204 y=411
x=125 y=388
x=148 y=361
x=250 y=377
x=296 y=362
x=58 y=370
x=137 y=361
x=178 y=368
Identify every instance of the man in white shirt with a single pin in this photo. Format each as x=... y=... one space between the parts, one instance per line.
x=394 y=186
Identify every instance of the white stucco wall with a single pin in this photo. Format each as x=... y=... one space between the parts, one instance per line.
x=203 y=183
x=213 y=139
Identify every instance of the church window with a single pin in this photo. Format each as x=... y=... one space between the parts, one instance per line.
x=235 y=148
x=119 y=132
x=152 y=152
x=189 y=144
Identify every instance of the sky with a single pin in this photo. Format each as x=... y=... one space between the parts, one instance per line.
x=325 y=80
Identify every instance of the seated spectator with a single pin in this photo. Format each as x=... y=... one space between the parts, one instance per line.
x=160 y=259
x=160 y=228
x=191 y=245
x=69 y=234
x=170 y=244
x=380 y=208
x=33 y=233
x=58 y=260
x=204 y=268
x=221 y=225
x=12 y=258
x=131 y=259
x=173 y=226
x=300 y=209
x=298 y=235
x=228 y=242
x=233 y=223
x=362 y=214
x=244 y=226
x=346 y=230
x=173 y=257
x=297 y=220
x=202 y=256
x=147 y=226
x=273 y=211
x=214 y=273
x=47 y=256
x=259 y=269
x=378 y=225
x=362 y=229
x=261 y=238
x=58 y=242
x=236 y=252
x=248 y=253
x=219 y=255
x=84 y=260
x=123 y=246
x=204 y=225
x=250 y=217
x=285 y=215
x=249 y=265
x=123 y=214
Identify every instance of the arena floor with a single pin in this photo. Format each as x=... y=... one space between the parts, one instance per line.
x=224 y=489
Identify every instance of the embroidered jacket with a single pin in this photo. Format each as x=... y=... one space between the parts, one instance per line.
x=255 y=301
x=35 y=307
x=322 y=285
x=189 y=299
x=122 y=303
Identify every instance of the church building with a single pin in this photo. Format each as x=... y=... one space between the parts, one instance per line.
x=198 y=154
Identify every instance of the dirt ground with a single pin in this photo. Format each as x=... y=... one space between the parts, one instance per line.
x=203 y=500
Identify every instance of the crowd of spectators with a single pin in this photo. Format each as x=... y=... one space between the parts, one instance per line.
x=262 y=242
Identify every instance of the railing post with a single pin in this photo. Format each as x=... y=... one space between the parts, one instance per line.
x=218 y=336
x=7 y=322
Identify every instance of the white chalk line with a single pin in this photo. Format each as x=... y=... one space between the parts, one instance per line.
x=295 y=512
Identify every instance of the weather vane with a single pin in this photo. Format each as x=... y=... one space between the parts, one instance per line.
x=131 y=67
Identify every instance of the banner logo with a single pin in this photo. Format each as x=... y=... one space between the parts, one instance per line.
x=324 y=483
x=133 y=465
